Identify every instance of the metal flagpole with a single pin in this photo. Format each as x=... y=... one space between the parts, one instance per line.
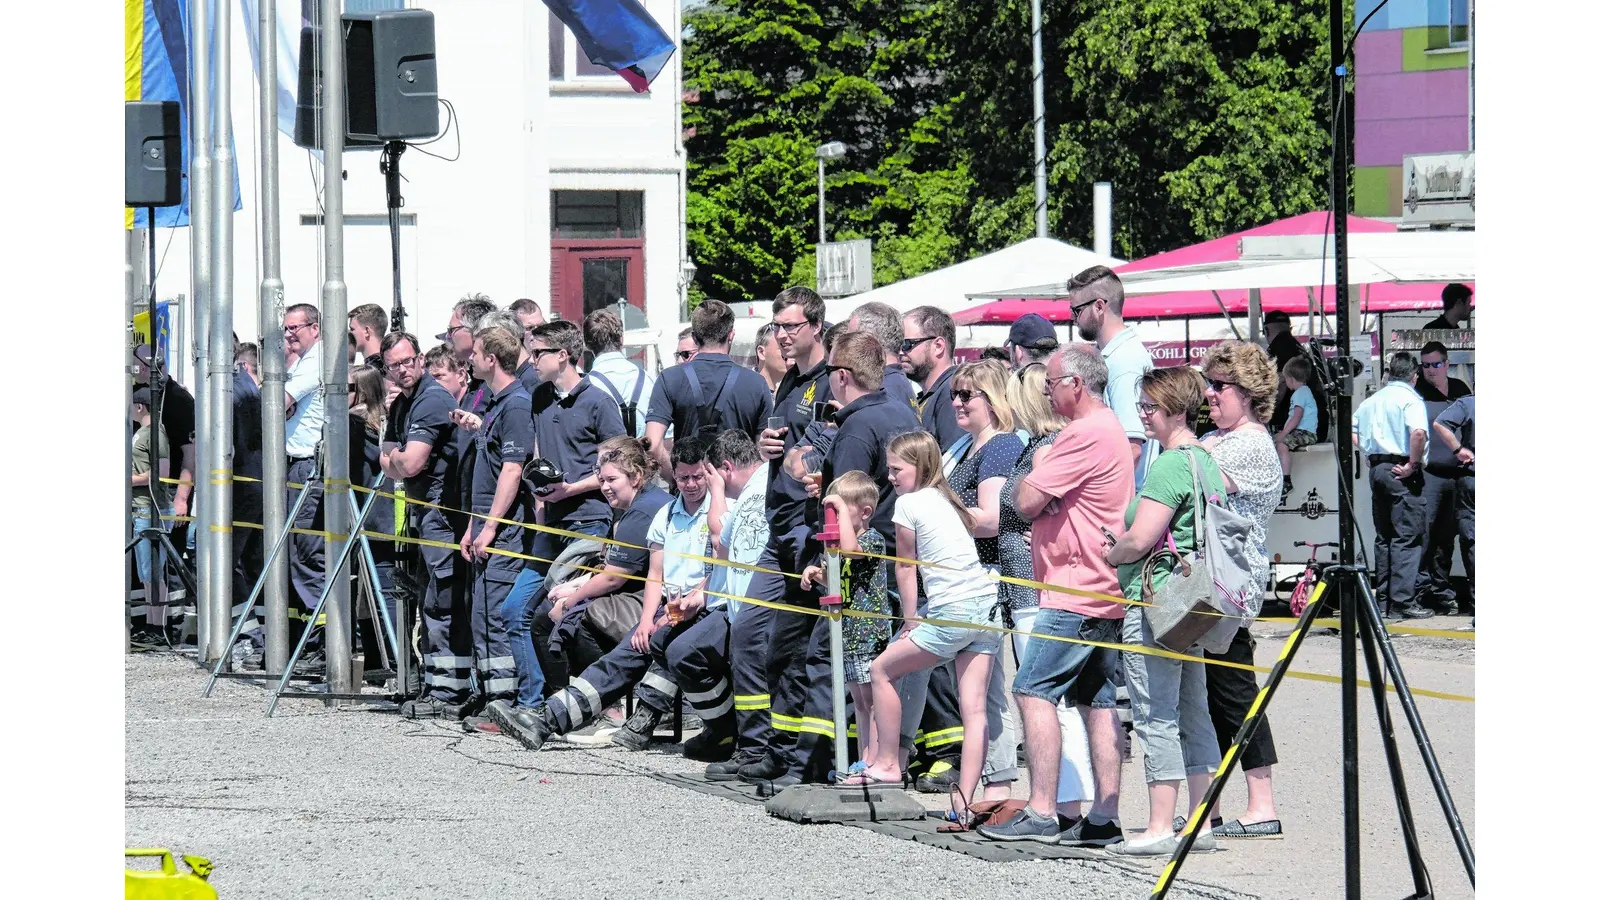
x=200 y=260
x=1040 y=218
x=219 y=450
x=335 y=365
x=274 y=464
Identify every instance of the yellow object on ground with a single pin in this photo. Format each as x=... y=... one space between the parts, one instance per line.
x=168 y=883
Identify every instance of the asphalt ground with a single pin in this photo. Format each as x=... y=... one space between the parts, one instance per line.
x=356 y=802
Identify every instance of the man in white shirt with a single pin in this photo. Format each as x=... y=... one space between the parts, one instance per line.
x=1392 y=432
x=303 y=407
x=625 y=380
x=715 y=659
x=1096 y=298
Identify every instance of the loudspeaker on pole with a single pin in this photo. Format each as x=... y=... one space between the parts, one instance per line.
x=153 y=154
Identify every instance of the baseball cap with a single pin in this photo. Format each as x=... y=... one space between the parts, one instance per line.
x=1030 y=330
x=141 y=396
x=1276 y=317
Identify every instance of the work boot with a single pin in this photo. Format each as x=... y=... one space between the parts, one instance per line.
x=1415 y=611
x=431 y=706
x=714 y=743
x=940 y=776
x=729 y=770
x=530 y=728
x=763 y=770
x=639 y=729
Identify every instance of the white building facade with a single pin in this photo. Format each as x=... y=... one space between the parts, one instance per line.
x=569 y=187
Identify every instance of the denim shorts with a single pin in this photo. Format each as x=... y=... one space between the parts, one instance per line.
x=945 y=641
x=1056 y=670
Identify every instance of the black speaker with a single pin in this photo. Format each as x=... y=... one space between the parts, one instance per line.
x=308 y=97
x=154 y=154
x=392 y=83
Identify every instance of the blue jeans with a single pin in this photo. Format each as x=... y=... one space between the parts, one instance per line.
x=519 y=606
x=143 y=519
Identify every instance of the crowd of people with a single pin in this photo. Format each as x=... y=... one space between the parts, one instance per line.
x=576 y=531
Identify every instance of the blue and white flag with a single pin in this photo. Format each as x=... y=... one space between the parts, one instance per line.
x=620 y=35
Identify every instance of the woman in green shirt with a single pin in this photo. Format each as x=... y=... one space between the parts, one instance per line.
x=1168 y=696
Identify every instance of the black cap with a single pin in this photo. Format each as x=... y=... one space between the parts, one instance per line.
x=1030 y=330
x=1277 y=317
x=141 y=396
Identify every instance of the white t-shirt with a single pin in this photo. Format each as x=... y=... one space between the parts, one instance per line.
x=943 y=539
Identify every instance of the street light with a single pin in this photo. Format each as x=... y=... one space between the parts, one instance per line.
x=830 y=150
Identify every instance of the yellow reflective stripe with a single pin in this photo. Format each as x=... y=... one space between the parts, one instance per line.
x=946 y=736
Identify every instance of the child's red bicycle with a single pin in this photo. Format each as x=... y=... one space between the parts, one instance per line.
x=1308 y=579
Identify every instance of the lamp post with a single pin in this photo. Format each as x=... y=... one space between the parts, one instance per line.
x=830 y=150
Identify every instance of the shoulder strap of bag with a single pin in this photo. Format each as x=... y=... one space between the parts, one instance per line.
x=694 y=384
x=1199 y=502
x=727 y=383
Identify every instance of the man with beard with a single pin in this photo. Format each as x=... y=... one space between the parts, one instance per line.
x=1096 y=298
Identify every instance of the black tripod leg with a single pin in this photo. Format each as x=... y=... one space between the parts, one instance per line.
x=177 y=562
x=1391 y=751
x=1408 y=704
x=1349 y=710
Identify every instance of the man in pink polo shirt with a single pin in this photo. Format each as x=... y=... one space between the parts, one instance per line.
x=1080 y=484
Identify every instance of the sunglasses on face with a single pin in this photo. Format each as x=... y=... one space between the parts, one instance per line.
x=450 y=332
x=832 y=369
x=965 y=395
x=538 y=353
x=1083 y=306
x=910 y=344
x=1434 y=365
x=1218 y=385
x=684 y=355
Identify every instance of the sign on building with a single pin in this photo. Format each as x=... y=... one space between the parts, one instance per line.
x=1438 y=190
x=844 y=268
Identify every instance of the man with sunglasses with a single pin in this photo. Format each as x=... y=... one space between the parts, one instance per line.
x=419 y=450
x=928 y=350
x=1096 y=298
x=572 y=417
x=303 y=407
x=1440 y=478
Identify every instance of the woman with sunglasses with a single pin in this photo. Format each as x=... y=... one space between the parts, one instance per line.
x=977 y=466
x=1241 y=389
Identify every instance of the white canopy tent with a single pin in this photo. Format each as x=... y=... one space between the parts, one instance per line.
x=1032 y=261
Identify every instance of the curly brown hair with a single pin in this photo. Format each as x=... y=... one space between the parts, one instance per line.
x=1248 y=366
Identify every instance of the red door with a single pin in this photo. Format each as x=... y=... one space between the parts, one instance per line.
x=586 y=275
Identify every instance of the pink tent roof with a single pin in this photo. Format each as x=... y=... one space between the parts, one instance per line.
x=1375 y=297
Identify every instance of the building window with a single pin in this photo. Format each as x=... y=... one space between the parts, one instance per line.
x=596 y=215
x=1460 y=22
x=568 y=62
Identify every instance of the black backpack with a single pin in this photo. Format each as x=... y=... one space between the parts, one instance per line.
x=707 y=419
x=630 y=409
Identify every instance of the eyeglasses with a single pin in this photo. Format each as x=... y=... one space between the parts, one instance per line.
x=1434 y=365
x=1050 y=383
x=399 y=365
x=790 y=328
x=910 y=344
x=1219 y=385
x=1083 y=306
x=1147 y=407
x=684 y=355
x=293 y=329
x=965 y=395
x=538 y=352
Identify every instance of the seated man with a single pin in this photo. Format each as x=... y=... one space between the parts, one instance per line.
x=700 y=659
x=679 y=541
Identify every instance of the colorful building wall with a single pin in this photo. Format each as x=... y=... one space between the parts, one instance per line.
x=1411 y=93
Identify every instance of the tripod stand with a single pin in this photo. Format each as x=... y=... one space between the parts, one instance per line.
x=389 y=164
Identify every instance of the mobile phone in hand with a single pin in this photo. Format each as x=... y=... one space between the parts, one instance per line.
x=1111 y=539
x=774 y=423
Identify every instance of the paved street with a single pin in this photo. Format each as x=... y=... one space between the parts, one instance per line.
x=357 y=802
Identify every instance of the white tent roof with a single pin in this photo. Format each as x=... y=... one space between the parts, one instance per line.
x=1299 y=261
x=1033 y=261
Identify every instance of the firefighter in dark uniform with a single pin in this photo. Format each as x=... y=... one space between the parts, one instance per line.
x=501 y=444
x=420 y=450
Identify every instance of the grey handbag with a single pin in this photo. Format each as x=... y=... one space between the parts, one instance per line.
x=1203 y=599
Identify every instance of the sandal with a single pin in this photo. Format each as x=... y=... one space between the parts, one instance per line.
x=865 y=778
